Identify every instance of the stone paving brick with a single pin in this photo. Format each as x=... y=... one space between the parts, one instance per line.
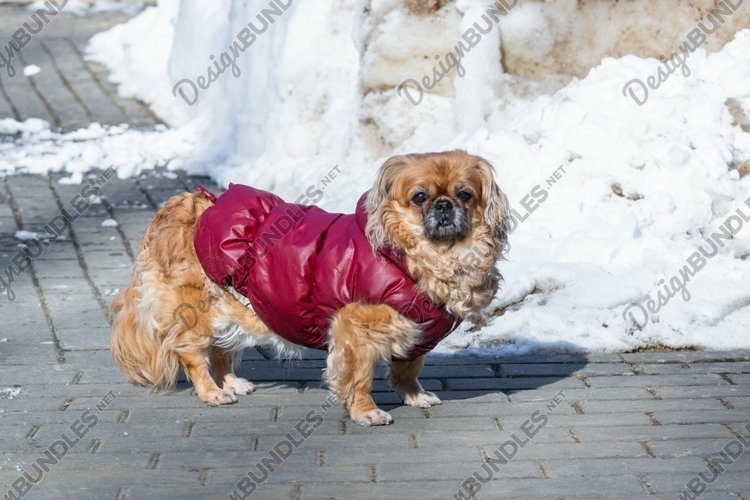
x=596 y=419
x=58 y=249
x=682 y=368
x=23 y=99
x=688 y=357
x=443 y=371
x=655 y=405
x=458 y=471
x=138 y=114
x=517 y=488
x=740 y=380
x=587 y=394
x=65 y=105
x=17 y=352
x=653 y=380
x=102 y=106
x=723 y=416
x=676 y=481
x=737 y=402
x=69 y=92
x=480 y=406
x=224 y=479
x=641 y=433
x=268 y=491
x=84 y=337
x=78 y=493
x=462 y=436
x=73 y=286
x=6 y=110
x=58 y=269
x=701 y=447
x=551 y=384
x=703 y=391
x=631 y=466
x=564 y=369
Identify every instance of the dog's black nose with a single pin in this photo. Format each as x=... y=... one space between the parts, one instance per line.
x=444 y=205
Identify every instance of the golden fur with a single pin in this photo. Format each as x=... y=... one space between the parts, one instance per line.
x=172 y=317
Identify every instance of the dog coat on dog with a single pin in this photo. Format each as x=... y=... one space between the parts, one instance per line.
x=298 y=265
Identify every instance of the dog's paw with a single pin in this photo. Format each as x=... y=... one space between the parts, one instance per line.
x=423 y=399
x=216 y=397
x=373 y=417
x=238 y=385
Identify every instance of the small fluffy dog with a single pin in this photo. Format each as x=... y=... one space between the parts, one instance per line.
x=384 y=284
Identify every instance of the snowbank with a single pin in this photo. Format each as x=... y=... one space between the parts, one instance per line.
x=611 y=198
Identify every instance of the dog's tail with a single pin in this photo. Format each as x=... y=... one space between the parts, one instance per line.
x=146 y=326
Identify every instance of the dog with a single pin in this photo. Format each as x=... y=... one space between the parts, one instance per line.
x=385 y=284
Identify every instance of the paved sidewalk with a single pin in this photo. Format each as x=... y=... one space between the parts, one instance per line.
x=603 y=425
x=69 y=92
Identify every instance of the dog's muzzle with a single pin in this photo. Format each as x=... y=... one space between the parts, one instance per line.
x=446 y=221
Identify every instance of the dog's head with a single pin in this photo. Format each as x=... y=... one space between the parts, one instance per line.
x=438 y=198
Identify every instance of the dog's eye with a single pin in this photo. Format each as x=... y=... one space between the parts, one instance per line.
x=464 y=196
x=419 y=198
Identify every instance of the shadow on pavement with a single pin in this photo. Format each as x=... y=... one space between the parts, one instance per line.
x=451 y=377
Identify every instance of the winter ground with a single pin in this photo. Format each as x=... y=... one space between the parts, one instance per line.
x=603 y=424
x=612 y=199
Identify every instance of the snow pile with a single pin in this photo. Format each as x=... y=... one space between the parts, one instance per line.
x=611 y=198
x=31 y=147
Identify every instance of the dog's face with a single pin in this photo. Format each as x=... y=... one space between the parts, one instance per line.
x=442 y=198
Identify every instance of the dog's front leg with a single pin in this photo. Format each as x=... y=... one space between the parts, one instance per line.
x=195 y=360
x=403 y=378
x=222 y=369
x=360 y=336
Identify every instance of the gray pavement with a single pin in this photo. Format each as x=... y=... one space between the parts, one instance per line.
x=69 y=92
x=602 y=425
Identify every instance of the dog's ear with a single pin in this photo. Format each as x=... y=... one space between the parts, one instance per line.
x=495 y=203
x=378 y=197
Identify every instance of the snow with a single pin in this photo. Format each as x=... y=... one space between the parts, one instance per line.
x=614 y=197
x=31 y=70
x=9 y=126
x=37 y=149
x=109 y=223
x=31 y=236
x=9 y=392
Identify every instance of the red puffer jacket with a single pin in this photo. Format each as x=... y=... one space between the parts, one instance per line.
x=298 y=265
